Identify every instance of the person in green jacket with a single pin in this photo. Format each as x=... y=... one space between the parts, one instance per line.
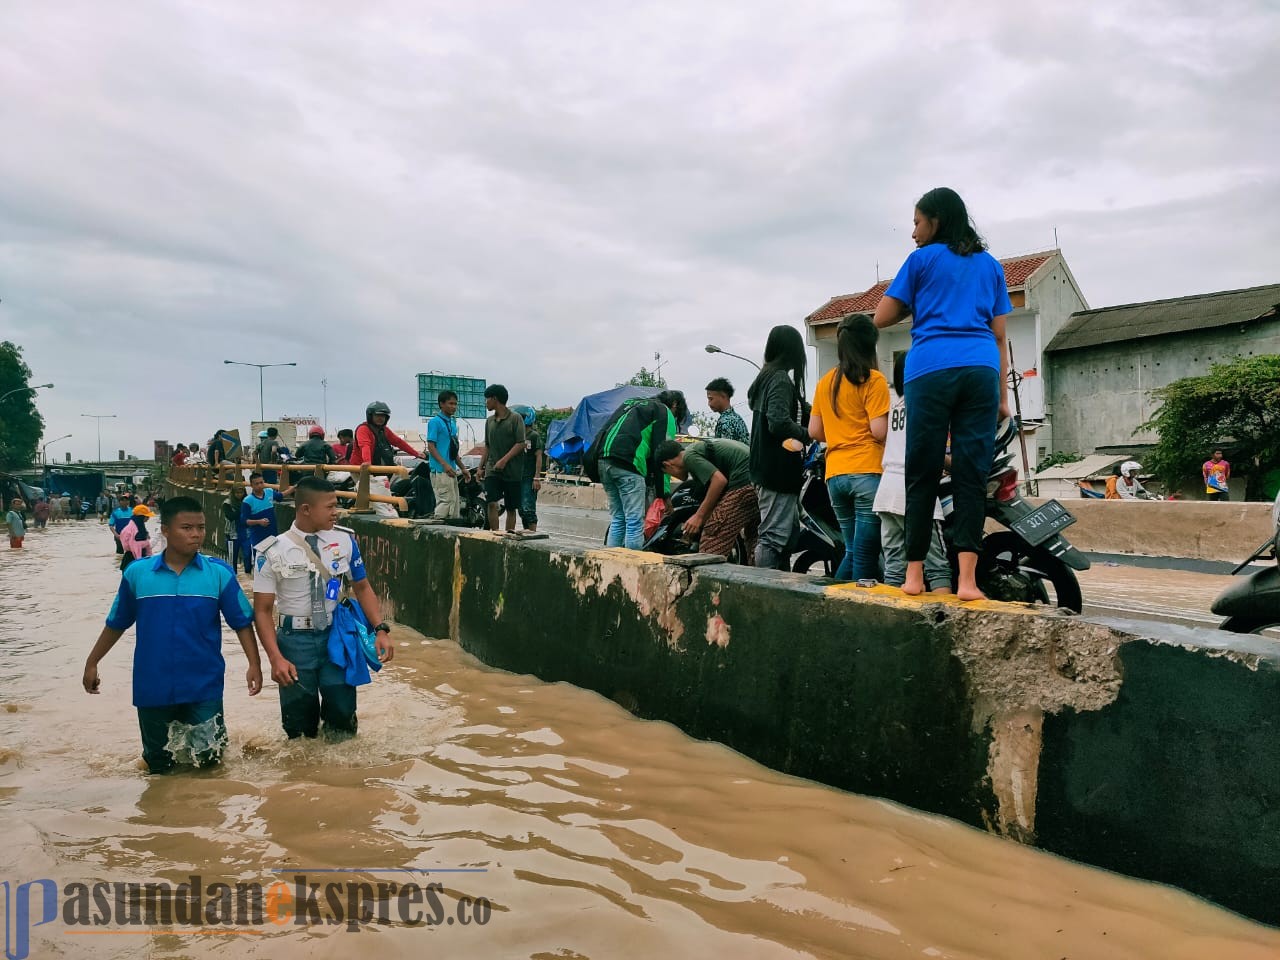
x=629 y=465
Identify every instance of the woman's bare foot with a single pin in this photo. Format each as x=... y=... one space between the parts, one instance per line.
x=913 y=585
x=967 y=582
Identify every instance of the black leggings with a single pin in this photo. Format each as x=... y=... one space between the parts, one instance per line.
x=966 y=401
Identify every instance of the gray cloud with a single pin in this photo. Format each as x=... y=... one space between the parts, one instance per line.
x=546 y=195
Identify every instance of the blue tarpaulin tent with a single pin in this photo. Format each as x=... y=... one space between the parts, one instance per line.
x=568 y=439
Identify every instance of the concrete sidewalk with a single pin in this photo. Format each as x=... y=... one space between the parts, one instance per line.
x=1175 y=596
x=1111 y=587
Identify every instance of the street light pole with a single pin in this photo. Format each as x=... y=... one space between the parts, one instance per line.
x=261 y=367
x=44 y=451
x=712 y=348
x=40 y=386
x=99 y=417
x=325 y=405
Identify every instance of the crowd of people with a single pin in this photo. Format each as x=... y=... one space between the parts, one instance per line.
x=883 y=467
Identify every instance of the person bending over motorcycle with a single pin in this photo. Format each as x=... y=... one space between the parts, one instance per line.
x=625 y=451
x=721 y=472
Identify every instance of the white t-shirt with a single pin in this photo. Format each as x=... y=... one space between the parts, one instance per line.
x=891 y=497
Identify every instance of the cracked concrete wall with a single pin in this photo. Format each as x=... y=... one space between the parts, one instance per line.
x=1148 y=749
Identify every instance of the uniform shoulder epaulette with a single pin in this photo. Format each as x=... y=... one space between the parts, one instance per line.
x=347 y=530
x=263 y=546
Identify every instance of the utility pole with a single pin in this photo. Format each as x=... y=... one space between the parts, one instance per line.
x=99 y=417
x=324 y=383
x=261 y=367
x=1015 y=380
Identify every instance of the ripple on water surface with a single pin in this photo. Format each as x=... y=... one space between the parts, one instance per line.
x=591 y=833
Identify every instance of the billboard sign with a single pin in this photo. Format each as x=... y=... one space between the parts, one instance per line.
x=470 y=391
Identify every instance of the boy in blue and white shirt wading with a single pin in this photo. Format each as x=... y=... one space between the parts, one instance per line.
x=175 y=601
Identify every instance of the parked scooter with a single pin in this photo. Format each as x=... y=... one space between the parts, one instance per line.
x=1021 y=562
x=1252 y=605
x=819 y=542
x=669 y=538
x=1017 y=564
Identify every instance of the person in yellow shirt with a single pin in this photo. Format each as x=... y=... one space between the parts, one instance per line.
x=851 y=414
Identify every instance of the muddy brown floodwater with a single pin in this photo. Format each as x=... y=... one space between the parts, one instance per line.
x=590 y=833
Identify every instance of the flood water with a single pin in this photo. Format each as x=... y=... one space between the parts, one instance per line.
x=589 y=832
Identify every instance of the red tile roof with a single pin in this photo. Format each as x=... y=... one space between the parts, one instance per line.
x=1017 y=270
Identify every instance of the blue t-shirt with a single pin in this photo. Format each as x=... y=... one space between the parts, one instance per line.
x=255 y=508
x=952 y=300
x=120 y=518
x=440 y=431
x=177 y=657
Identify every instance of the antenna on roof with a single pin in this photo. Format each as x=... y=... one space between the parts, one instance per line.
x=877 y=271
x=1055 y=238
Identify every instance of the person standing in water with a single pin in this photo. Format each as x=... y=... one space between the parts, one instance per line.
x=298 y=575
x=176 y=600
x=956 y=376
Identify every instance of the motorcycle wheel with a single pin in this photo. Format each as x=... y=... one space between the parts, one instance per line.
x=1249 y=624
x=1010 y=569
x=811 y=558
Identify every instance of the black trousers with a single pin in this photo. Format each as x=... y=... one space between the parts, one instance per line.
x=964 y=401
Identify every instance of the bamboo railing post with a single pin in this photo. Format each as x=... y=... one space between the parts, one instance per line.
x=362 y=490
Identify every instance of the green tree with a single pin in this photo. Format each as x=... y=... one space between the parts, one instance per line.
x=646 y=378
x=21 y=425
x=705 y=423
x=547 y=415
x=1236 y=405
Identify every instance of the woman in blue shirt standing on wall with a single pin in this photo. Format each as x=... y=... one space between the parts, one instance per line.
x=955 y=376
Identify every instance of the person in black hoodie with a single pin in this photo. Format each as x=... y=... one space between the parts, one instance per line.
x=776 y=398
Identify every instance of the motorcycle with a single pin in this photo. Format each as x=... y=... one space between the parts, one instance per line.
x=1018 y=564
x=818 y=539
x=669 y=537
x=1252 y=605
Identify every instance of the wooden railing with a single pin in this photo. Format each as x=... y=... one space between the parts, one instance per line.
x=223 y=476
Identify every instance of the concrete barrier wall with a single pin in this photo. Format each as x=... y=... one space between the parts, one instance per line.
x=1198 y=530
x=1139 y=747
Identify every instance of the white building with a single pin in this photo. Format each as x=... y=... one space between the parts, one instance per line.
x=1043 y=293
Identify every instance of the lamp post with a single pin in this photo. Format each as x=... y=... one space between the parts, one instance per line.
x=261 y=367
x=712 y=348
x=44 y=450
x=99 y=417
x=41 y=386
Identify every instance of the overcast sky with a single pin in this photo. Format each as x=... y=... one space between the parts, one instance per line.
x=545 y=194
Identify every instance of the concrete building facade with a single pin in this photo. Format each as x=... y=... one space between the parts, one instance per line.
x=1104 y=363
x=1044 y=295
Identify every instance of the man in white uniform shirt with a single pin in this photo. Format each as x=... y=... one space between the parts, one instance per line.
x=301 y=573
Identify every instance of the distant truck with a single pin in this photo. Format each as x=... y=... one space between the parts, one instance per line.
x=289 y=432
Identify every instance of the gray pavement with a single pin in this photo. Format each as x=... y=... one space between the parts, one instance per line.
x=1141 y=588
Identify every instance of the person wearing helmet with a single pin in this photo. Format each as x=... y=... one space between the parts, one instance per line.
x=530 y=484
x=1128 y=486
x=314 y=449
x=374 y=444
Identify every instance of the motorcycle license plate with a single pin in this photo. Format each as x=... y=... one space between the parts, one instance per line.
x=1043 y=522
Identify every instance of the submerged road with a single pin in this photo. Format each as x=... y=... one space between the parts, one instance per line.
x=587 y=832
